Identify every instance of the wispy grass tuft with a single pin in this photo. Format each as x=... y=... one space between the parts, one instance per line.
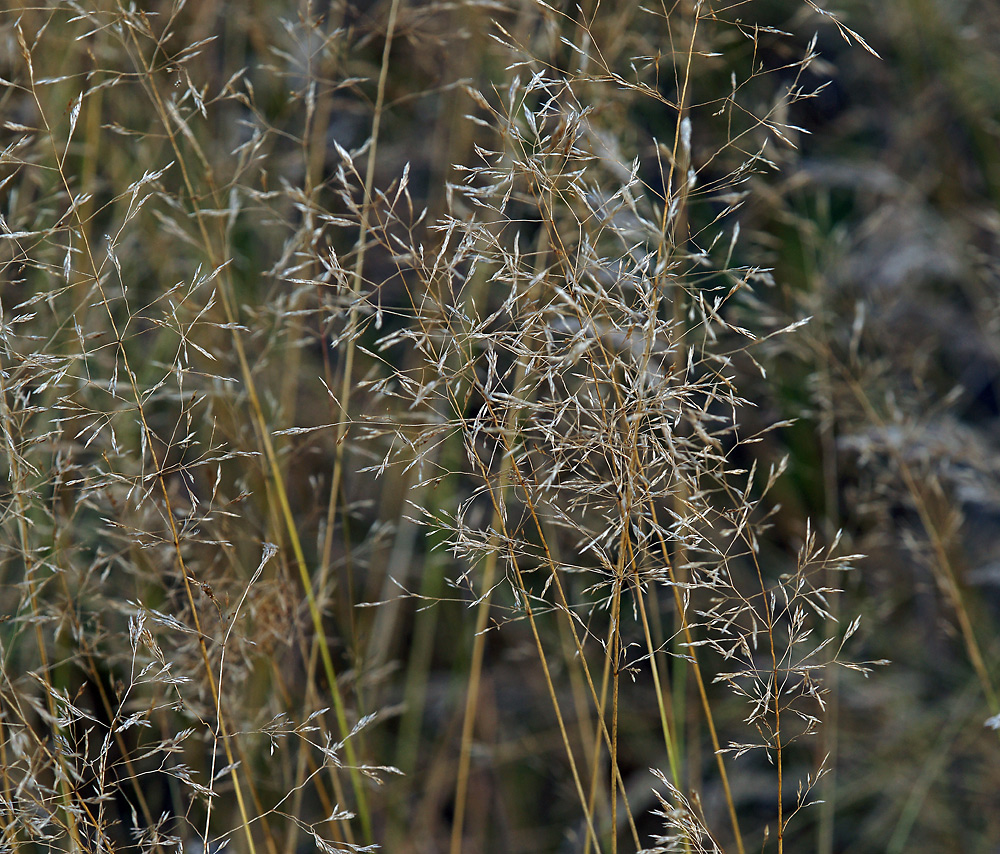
x=400 y=406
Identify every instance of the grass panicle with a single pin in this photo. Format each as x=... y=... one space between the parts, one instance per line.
x=458 y=427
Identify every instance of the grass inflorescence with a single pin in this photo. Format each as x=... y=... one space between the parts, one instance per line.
x=438 y=427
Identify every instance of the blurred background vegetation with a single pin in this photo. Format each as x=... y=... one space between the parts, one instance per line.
x=194 y=285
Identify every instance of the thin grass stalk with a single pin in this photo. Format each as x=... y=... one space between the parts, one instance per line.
x=524 y=485
x=352 y=322
x=943 y=570
x=692 y=657
x=600 y=733
x=680 y=143
x=19 y=484
x=137 y=396
x=430 y=584
x=615 y=653
x=529 y=612
x=316 y=123
x=483 y=607
x=8 y=829
x=546 y=202
x=667 y=724
x=472 y=691
x=828 y=791
x=114 y=716
x=265 y=438
x=75 y=806
x=662 y=690
x=312 y=700
x=415 y=689
x=20 y=489
x=776 y=682
x=676 y=196
x=356 y=282
x=509 y=464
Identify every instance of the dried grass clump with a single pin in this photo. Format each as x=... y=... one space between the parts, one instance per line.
x=269 y=356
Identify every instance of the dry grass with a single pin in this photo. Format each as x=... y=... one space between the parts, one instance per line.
x=408 y=413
